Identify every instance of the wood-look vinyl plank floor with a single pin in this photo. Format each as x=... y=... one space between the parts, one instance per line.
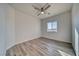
x=41 y=47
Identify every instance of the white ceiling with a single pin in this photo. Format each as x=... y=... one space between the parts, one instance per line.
x=56 y=8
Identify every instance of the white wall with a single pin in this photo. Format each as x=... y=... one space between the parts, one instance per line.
x=10 y=27
x=64 y=27
x=2 y=29
x=75 y=26
x=26 y=27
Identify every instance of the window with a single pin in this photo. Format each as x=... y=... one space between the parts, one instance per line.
x=52 y=26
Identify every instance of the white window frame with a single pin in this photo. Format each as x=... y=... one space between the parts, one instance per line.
x=52 y=26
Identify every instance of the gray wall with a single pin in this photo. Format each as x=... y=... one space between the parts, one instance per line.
x=26 y=27
x=10 y=27
x=64 y=27
x=75 y=26
x=6 y=28
x=2 y=29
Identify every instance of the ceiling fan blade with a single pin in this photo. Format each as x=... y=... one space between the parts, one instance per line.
x=38 y=14
x=36 y=8
x=47 y=7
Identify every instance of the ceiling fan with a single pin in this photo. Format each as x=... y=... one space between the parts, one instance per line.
x=42 y=10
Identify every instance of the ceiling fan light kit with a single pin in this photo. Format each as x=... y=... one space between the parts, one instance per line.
x=42 y=10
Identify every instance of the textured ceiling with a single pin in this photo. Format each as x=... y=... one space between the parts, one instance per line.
x=56 y=8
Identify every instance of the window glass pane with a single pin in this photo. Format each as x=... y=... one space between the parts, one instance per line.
x=49 y=25
x=52 y=26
